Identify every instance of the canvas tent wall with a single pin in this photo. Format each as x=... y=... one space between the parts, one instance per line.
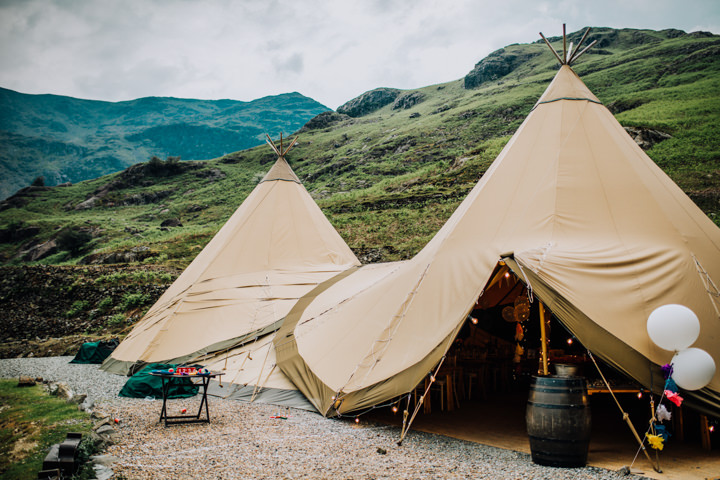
x=602 y=234
x=276 y=247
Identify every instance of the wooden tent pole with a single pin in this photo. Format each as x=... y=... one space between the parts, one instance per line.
x=626 y=417
x=583 y=51
x=543 y=339
x=552 y=49
x=565 y=56
x=572 y=53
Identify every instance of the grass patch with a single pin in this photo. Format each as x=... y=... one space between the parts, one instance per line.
x=30 y=422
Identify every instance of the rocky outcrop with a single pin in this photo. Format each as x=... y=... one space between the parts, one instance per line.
x=324 y=120
x=646 y=138
x=39 y=252
x=369 y=102
x=622 y=105
x=408 y=100
x=18 y=234
x=136 y=254
x=496 y=65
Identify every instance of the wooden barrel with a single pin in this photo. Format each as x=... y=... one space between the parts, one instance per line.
x=558 y=421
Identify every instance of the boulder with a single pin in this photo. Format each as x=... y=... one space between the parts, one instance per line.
x=324 y=120
x=369 y=102
x=87 y=204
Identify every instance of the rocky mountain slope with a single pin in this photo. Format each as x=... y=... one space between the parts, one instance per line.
x=388 y=168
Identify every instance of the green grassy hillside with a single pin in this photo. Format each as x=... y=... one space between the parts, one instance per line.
x=68 y=139
x=388 y=179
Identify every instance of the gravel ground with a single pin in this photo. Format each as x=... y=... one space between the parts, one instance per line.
x=243 y=441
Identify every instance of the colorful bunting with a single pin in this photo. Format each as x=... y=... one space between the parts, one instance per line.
x=655 y=441
x=663 y=413
x=674 y=397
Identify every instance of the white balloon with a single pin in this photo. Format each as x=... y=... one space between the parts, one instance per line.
x=693 y=368
x=673 y=327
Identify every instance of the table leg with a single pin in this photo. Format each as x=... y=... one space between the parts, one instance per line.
x=163 y=411
x=206 y=383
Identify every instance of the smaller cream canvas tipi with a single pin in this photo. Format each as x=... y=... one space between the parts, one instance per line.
x=276 y=247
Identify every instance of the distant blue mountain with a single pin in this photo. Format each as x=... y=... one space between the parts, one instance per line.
x=66 y=139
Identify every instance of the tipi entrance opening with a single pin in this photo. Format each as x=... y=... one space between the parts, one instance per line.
x=480 y=392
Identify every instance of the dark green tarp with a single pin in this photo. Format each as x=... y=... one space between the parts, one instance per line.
x=95 y=352
x=142 y=384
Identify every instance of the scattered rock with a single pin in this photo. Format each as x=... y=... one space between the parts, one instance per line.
x=105 y=430
x=78 y=399
x=26 y=381
x=415 y=115
x=87 y=405
x=64 y=392
x=212 y=174
x=646 y=138
x=171 y=222
x=381 y=451
x=102 y=472
x=106 y=460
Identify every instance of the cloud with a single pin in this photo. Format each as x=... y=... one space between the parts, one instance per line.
x=330 y=50
x=291 y=64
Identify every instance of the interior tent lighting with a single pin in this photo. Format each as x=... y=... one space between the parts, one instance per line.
x=570 y=341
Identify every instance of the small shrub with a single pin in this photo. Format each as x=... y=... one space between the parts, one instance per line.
x=133 y=300
x=113 y=278
x=117 y=319
x=142 y=276
x=105 y=304
x=76 y=308
x=73 y=240
x=38 y=182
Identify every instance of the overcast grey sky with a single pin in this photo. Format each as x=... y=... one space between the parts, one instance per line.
x=330 y=50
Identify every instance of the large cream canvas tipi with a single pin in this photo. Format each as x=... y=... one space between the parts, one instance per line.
x=598 y=232
x=275 y=248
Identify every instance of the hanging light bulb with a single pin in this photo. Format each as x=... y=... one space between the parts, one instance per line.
x=394 y=409
x=507 y=274
x=474 y=320
x=432 y=378
x=570 y=341
x=711 y=428
x=639 y=394
x=357 y=419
